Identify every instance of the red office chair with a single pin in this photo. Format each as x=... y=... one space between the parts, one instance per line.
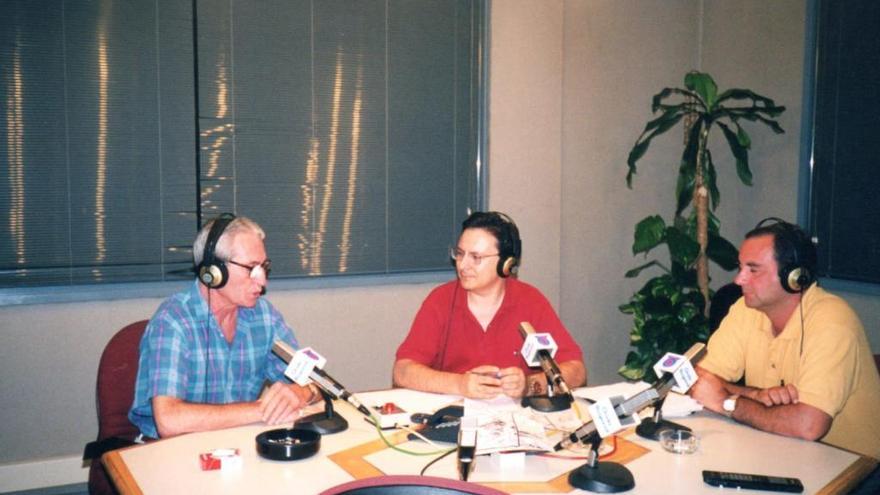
x=410 y=485
x=117 y=372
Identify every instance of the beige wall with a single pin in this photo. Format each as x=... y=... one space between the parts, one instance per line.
x=618 y=54
x=525 y=131
x=571 y=83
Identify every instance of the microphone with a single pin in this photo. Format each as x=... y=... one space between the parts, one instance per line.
x=637 y=402
x=467 y=446
x=303 y=373
x=538 y=352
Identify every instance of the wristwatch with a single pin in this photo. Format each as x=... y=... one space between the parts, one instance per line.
x=729 y=405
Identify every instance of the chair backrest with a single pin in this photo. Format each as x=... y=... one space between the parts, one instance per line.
x=410 y=485
x=117 y=373
x=720 y=304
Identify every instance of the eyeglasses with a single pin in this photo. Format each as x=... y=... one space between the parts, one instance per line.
x=458 y=255
x=256 y=270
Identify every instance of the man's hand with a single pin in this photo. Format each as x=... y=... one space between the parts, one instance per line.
x=513 y=382
x=774 y=396
x=280 y=402
x=482 y=382
x=709 y=390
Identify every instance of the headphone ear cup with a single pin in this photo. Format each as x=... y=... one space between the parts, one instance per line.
x=507 y=266
x=794 y=279
x=804 y=278
x=214 y=275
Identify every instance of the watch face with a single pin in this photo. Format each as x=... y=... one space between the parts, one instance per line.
x=729 y=404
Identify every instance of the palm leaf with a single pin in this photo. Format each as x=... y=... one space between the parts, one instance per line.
x=654 y=128
x=649 y=233
x=740 y=153
x=702 y=84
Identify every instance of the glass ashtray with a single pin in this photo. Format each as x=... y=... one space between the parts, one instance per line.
x=679 y=441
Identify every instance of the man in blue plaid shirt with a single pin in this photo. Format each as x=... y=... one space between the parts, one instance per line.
x=207 y=352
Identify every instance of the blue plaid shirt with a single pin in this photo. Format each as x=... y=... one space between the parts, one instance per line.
x=184 y=354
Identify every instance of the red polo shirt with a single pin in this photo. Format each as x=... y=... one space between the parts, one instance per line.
x=443 y=322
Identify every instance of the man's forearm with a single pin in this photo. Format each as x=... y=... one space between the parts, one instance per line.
x=276 y=405
x=174 y=416
x=410 y=374
x=794 y=420
x=574 y=373
x=742 y=390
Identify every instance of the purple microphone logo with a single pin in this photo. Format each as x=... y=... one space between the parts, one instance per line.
x=669 y=361
x=543 y=340
x=311 y=355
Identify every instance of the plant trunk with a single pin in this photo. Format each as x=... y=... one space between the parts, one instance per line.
x=701 y=204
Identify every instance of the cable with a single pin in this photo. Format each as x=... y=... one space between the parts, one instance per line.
x=448 y=329
x=388 y=444
x=801 y=307
x=422 y=473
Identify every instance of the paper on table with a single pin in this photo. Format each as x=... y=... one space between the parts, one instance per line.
x=506 y=426
x=473 y=407
x=675 y=406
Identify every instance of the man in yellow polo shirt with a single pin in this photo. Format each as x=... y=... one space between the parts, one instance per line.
x=808 y=368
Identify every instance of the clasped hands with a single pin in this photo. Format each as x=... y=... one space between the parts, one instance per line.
x=488 y=382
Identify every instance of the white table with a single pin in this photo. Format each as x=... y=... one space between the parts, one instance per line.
x=172 y=466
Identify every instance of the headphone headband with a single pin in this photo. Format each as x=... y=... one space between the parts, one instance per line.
x=775 y=220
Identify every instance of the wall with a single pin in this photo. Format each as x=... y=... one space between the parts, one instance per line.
x=617 y=55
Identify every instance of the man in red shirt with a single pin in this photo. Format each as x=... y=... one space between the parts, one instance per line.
x=465 y=338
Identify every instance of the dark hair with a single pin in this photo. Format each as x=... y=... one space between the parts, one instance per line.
x=792 y=246
x=501 y=227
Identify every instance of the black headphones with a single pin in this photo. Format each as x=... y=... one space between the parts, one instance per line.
x=212 y=271
x=794 y=252
x=505 y=230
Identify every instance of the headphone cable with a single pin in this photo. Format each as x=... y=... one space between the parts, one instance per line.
x=801 y=307
x=448 y=328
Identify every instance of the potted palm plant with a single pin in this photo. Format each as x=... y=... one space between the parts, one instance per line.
x=670 y=310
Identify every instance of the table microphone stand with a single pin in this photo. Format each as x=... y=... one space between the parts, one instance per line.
x=650 y=428
x=549 y=402
x=601 y=477
x=326 y=422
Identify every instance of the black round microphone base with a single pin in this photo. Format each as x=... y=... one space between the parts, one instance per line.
x=651 y=429
x=323 y=424
x=545 y=403
x=604 y=477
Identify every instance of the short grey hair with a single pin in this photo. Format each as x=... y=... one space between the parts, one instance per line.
x=221 y=250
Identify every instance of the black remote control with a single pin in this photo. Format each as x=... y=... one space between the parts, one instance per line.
x=753 y=481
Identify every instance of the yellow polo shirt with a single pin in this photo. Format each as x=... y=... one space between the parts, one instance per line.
x=835 y=372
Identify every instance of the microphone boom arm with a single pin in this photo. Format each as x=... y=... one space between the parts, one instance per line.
x=636 y=403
